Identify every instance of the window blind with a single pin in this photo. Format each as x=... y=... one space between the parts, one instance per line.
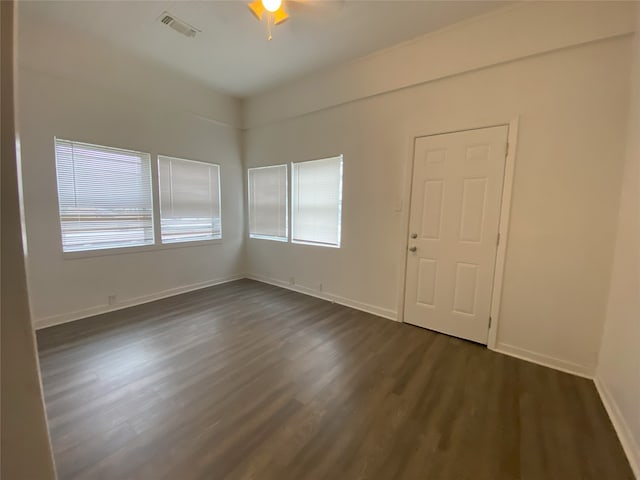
x=268 y=202
x=104 y=196
x=189 y=200
x=317 y=201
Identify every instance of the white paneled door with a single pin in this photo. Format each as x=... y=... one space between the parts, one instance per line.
x=453 y=231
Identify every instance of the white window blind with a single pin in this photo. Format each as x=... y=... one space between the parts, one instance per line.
x=189 y=200
x=268 y=202
x=317 y=201
x=104 y=196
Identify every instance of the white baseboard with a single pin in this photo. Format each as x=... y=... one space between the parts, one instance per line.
x=99 y=309
x=365 y=307
x=545 y=360
x=629 y=443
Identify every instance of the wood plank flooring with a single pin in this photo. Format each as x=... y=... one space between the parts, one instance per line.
x=250 y=381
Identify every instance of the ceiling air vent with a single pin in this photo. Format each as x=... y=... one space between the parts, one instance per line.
x=178 y=25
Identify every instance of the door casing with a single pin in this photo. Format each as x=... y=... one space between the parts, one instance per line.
x=503 y=229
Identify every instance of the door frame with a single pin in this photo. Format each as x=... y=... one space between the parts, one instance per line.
x=503 y=228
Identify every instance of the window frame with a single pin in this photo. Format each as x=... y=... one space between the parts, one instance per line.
x=205 y=241
x=157 y=244
x=106 y=250
x=255 y=236
x=340 y=207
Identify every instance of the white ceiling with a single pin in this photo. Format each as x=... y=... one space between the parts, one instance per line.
x=232 y=53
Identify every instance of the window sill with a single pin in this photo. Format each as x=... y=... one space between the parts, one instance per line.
x=314 y=244
x=138 y=249
x=266 y=237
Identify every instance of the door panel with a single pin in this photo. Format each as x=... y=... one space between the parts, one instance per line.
x=455 y=212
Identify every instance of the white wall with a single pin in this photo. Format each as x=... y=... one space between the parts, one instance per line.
x=78 y=89
x=572 y=108
x=25 y=447
x=517 y=31
x=618 y=375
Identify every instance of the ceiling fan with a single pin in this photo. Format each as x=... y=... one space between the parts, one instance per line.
x=272 y=11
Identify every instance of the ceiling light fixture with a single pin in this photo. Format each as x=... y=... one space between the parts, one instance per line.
x=272 y=11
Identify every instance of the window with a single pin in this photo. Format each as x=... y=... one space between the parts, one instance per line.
x=104 y=196
x=189 y=200
x=268 y=203
x=317 y=202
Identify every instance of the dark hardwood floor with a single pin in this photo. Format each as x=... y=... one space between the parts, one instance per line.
x=250 y=381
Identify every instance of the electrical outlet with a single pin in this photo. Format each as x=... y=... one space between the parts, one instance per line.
x=320 y=287
x=111 y=299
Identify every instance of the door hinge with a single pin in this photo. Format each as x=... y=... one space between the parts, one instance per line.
x=506 y=151
x=489 y=322
x=498 y=239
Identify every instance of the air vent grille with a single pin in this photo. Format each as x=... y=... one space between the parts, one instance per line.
x=178 y=25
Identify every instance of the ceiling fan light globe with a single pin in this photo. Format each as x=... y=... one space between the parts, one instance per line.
x=272 y=5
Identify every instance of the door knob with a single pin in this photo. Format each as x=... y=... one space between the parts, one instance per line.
x=414 y=235
x=413 y=249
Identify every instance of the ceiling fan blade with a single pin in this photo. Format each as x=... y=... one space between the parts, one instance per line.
x=257 y=8
x=280 y=15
